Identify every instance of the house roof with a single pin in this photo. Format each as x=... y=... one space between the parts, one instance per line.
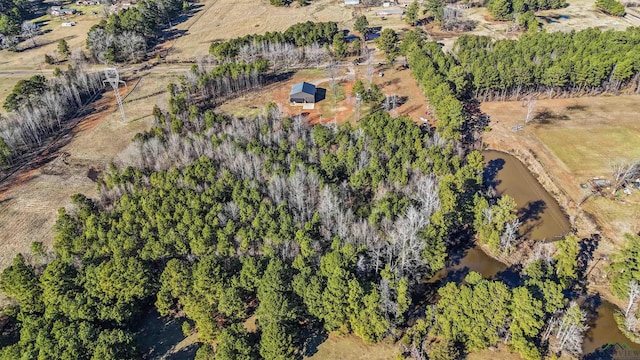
x=304 y=87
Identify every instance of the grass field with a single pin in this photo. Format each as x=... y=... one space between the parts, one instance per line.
x=227 y=19
x=32 y=58
x=352 y=348
x=581 y=14
x=574 y=141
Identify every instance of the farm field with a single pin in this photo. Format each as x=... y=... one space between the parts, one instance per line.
x=227 y=19
x=32 y=58
x=575 y=140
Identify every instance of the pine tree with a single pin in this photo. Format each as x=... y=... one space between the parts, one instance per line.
x=276 y=343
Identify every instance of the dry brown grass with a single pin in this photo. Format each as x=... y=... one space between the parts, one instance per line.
x=227 y=19
x=30 y=58
x=575 y=143
x=581 y=14
x=351 y=347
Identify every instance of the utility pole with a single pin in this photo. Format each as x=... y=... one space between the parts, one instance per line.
x=113 y=78
x=358 y=101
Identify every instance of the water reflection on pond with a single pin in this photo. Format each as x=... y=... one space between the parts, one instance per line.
x=539 y=212
x=543 y=219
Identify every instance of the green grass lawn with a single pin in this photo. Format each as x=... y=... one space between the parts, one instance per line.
x=587 y=151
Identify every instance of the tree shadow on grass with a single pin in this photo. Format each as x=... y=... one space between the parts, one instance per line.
x=312 y=337
x=158 y=335
x=546 y=116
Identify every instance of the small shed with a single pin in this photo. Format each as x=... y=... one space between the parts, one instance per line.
x=389 y=12
x=303 y=93
x=351 y=2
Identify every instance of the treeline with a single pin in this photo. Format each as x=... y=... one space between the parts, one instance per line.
x=585 y=62
x=508 y=9
x=43 y=110
x=123 y=37
x=625 y=285
x=212 y=87
x=12 y=14
x=441 y=80
x=556 y=64
x=25 y=91
x=302 y=34
x=224 y=218
x=611 y=7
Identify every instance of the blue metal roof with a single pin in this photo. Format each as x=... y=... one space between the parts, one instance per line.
x=304 y=87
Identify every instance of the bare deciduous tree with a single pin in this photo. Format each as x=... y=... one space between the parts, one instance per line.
x=623 y=171
x=630 y=311
x=132 y=44
x=509 y=235
x=29 y=31
x=531 y=107
x=8 y=42
x=571 y=327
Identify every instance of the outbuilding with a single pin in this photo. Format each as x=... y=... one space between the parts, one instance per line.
x=303 y=93
x=352 y=2
x=389 y=12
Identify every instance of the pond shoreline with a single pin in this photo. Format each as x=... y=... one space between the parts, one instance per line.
x=514 y=182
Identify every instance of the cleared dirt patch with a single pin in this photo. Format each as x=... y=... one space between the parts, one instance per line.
x=396 y=81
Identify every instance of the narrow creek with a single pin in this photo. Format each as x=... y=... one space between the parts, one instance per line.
x=543 y=219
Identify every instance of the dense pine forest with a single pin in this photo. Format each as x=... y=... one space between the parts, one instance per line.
x=312 y=229
x=587 y=62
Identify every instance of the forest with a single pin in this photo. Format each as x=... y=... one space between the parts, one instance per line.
x=123 y=36
x=310 y=229
x=557 y=64
x=12 y=14
x=240 y=211
x=40 y=108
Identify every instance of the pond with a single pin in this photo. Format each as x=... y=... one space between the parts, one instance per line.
x=541 y=216
x=543 y=219
x=604 y=331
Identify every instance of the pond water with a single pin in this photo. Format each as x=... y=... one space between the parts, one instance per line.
x=604 y=331
x=473 y=259
x=542 y=219
x=541 y=216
